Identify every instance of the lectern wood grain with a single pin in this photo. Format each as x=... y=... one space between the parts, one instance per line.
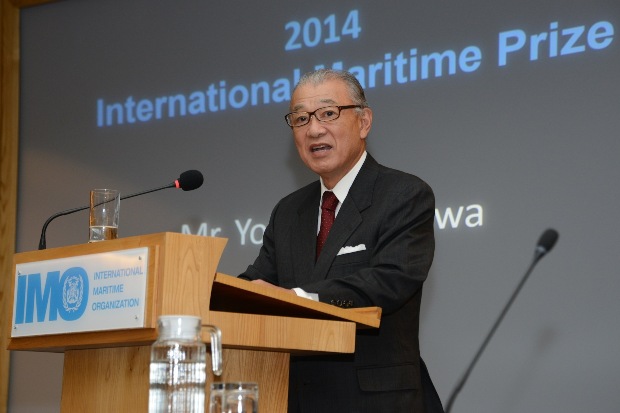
x=106 y=380
x=108 y=371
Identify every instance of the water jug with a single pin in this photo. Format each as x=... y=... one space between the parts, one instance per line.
x=178 y=365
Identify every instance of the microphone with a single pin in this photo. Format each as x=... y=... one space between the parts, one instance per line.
x=187 y=181
x=545 y=244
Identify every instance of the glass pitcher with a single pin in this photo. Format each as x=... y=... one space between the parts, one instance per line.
x=178 y=365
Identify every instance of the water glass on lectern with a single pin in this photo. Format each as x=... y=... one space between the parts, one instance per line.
x=104 y=212
x=234 y=397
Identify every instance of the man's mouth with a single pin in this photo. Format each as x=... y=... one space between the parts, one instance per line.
x=320 y=148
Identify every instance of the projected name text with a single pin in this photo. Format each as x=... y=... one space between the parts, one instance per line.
x=250 y=232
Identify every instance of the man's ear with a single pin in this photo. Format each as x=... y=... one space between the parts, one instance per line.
x=365 y=122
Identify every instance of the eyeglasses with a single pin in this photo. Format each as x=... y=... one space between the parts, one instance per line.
x=325 y=114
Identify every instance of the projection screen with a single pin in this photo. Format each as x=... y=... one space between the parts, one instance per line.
x=509 y=110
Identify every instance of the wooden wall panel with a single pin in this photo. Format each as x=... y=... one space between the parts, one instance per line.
x=9 y=142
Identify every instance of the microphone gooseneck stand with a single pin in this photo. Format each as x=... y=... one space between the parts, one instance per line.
x=545 y=244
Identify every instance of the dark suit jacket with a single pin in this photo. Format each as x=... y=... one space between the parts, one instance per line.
x=391 y=213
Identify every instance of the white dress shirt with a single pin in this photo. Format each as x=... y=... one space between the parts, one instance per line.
x=341 y=190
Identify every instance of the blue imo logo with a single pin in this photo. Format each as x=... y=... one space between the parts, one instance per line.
x=65 y=295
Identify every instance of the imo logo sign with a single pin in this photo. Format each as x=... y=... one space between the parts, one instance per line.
x=72 y=292
x=65 y=296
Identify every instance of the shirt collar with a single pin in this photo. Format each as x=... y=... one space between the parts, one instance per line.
x=341 y=190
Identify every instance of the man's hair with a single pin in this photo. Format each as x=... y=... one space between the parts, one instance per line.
x=356 y=92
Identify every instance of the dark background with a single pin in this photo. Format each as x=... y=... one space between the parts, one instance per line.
x=533 y=144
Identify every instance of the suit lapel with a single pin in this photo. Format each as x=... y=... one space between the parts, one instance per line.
x=349 y=217
x=303 y=244
x=346 y=222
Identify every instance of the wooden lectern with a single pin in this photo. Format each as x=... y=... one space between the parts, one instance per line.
x=108 y=371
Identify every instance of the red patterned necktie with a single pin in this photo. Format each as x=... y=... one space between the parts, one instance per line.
x=328 y=215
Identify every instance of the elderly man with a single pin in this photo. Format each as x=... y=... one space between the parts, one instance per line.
x=362 y=235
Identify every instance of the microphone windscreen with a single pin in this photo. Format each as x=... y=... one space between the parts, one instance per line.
x=190 y=180
x=547 y=240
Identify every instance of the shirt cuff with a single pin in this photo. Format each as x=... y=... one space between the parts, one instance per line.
x=302 y=293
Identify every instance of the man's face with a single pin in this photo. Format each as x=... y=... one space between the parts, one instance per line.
x=330 y=149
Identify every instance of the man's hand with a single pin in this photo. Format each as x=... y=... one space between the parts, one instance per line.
x=266 y=284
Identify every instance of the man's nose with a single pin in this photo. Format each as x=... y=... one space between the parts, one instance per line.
x=315 y=127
